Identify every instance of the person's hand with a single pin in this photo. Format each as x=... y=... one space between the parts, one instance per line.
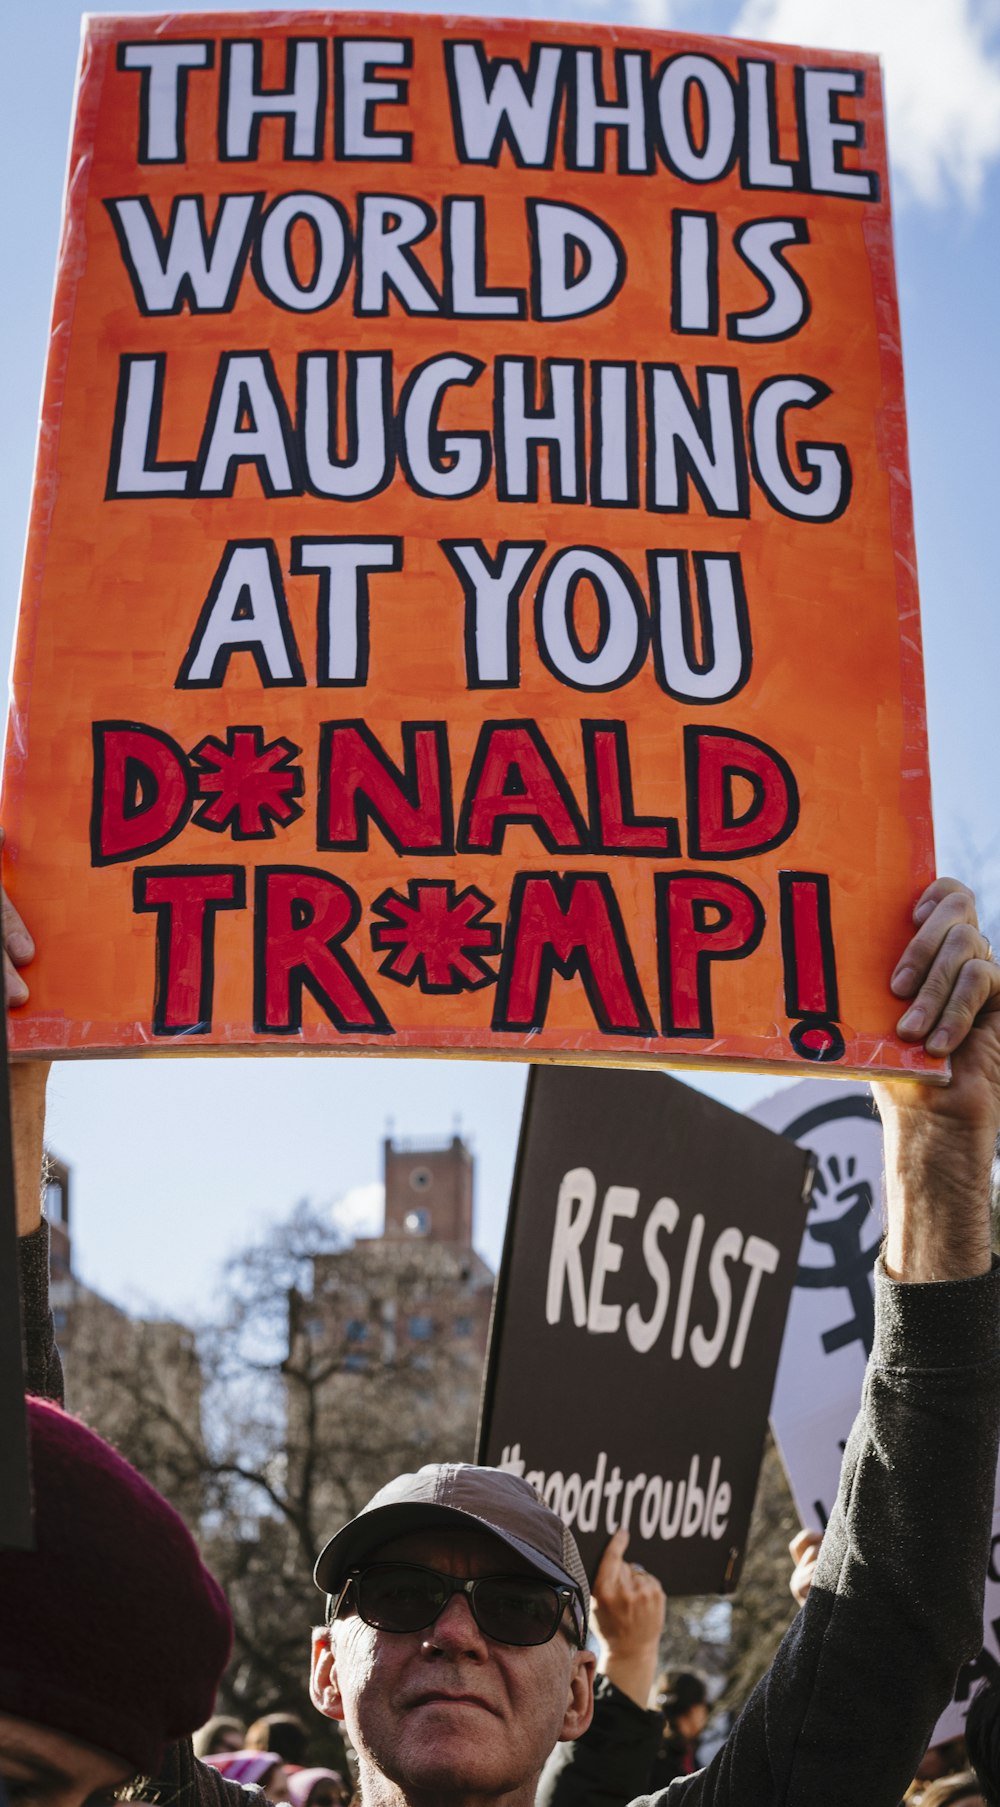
x=628 y=1609
x=27 y=1079
x=952 y=983
x=803 y=1550
x=939 y=1140
x=18 y=948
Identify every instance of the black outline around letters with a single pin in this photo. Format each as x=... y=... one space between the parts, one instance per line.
x=238 y=460
x=677 y=218
x=164 y=920
x=145 y=75
x=352 y=358
x=163 y=241
x=799 y=235
x=99 y=732
x=504 y=819
x=578 y=964
x=699 y=413
x=503 y=135
x=597 y=497
x=299 y=977
x=820 y=881
x=670 y=847
x=450 y=548
x=292 y=46
x=820 y=393
x=694 y=738
x=404 y=780
x=704 y=957
x=220 y=664
x=601 y=104
x=704 y=609
x=257 y=255
x=301 y=542
x=636 y=597
x=541 y=416
x=856 y=143
x=399 y=98
x=112 y=491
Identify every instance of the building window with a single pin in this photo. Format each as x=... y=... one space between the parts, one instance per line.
x=355 y=1363
x=463 y=1326
x=60 y=1319
x=418 y=1221
x=356 y=1330
x=421 y=1328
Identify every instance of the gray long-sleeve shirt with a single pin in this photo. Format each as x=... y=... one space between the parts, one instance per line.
x=896 y=1606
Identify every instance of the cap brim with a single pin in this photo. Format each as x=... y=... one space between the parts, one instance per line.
x=370 y=1530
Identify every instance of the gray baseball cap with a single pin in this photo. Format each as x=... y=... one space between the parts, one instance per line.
x=468 y=1498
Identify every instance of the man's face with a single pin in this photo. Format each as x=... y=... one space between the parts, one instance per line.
x=448 y=1709
x=40 y=1767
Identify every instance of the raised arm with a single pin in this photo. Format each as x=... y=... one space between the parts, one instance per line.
x=896 y=1600
x=27 y=1081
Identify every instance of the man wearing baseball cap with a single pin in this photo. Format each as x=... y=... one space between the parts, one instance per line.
x=456 y=1601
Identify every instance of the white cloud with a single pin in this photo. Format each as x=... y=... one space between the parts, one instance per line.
x=361 y=1210
x=942 y=79
x=652 y=15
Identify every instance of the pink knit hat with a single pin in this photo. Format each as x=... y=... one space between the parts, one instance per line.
x=111 y=1630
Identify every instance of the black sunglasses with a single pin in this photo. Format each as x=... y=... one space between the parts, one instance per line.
x=401 y=1596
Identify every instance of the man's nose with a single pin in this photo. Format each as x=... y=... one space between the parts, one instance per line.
x=455 y=1629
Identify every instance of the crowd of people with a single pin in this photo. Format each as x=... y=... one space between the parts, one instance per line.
x=454 y=1648
x=271 y=1754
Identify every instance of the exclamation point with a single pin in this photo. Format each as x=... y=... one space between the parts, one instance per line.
x=810 y=965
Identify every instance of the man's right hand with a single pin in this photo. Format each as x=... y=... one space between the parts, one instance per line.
x=628 y=1609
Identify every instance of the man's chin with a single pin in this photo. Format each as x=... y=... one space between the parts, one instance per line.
x=452 y=1760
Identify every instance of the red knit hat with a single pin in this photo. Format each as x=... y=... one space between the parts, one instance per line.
x=111 y=1630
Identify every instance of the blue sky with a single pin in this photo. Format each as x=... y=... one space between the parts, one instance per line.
x=177 y=1161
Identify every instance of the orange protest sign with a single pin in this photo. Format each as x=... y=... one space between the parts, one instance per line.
x=470 y=600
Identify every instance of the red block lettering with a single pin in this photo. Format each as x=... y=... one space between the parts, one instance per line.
x=302 y=917
x=515 y=777
x=359 y=783
x=185 y=900
x=700 y=917
x=569 y=924
x=615 y=826
x=142 y=793
x=714 y=760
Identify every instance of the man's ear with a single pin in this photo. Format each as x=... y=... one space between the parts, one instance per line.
x=580 y=1703
x=323 y=1690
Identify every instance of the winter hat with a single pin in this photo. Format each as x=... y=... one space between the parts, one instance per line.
x=250 y=1768
x=112 y=1630
x=302 y=1783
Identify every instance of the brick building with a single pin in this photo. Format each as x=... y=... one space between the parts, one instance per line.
x=396 y=1326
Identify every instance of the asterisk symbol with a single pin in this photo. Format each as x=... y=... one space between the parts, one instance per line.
x=248 y=786
x=435 y=937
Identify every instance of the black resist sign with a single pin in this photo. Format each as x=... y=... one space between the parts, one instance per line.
x=650 y=1254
